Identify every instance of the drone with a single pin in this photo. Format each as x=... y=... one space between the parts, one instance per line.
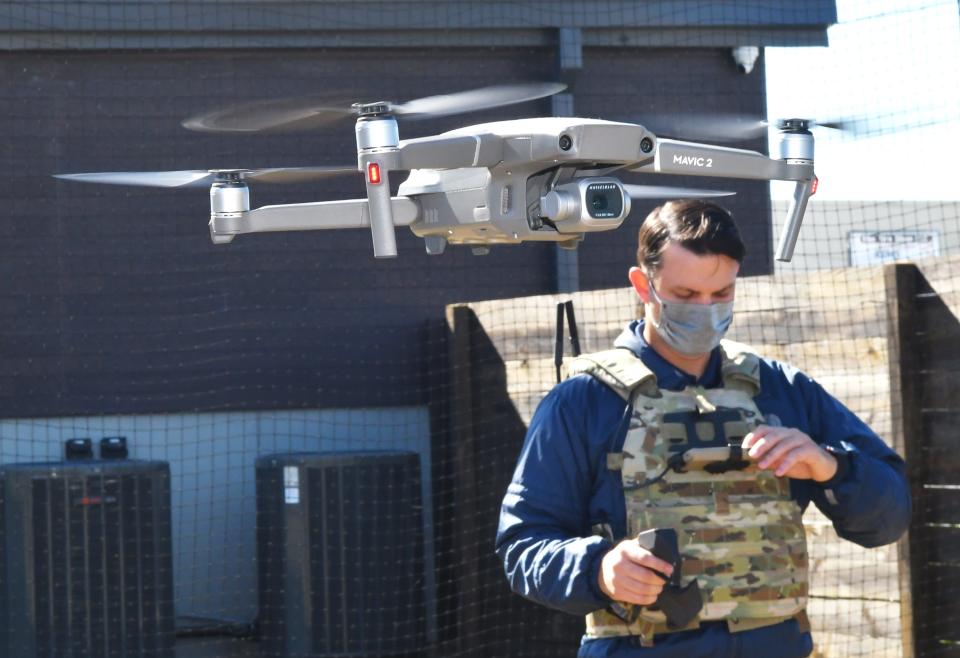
x=543 y=180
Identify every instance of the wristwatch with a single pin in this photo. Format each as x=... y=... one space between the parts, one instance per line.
x=843 y=465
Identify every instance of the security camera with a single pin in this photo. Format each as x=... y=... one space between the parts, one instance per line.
x=587 y=204
x=745 y=58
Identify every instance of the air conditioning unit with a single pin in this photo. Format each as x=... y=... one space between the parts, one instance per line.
x=86 y=560
x=340 y=555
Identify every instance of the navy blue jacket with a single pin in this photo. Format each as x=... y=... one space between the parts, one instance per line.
x=562 y=487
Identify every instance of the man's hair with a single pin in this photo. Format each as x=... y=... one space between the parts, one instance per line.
x=699 y=226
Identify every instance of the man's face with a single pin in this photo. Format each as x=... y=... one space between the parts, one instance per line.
x=689 y=278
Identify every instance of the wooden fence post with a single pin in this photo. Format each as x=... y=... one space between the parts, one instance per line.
x=462 y=320
x=901 y=286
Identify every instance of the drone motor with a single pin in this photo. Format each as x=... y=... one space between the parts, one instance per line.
x=796 y=141
x=229 y=199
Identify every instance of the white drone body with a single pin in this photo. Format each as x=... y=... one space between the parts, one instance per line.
x=547 y=180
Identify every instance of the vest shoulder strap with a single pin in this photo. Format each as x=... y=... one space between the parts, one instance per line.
x=619 y=368
x=740 y=367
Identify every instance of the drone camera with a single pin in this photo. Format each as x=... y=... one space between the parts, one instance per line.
x=587 y=204
x=604 y=200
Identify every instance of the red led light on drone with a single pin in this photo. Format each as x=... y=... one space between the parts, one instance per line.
x=813 y=188
x=373 y=173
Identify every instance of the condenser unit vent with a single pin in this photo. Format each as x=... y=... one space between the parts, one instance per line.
x=340 y=555
x=85 y=560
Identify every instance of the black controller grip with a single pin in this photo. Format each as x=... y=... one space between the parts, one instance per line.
x=662 y=542
x=680 y=604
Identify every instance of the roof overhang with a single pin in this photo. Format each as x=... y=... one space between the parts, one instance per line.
x=138 y=24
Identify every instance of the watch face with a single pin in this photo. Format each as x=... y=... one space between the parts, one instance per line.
x=843 y=461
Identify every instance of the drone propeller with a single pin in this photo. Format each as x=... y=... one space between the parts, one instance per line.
x=666 y=192
x=737 y=128
x=290 y=114
x=706 y=128
x=475 y=100
x=204 y=177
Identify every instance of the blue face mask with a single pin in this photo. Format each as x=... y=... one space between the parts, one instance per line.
x=692 y=328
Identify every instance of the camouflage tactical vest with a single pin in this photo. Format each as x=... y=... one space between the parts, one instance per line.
x=740 y=533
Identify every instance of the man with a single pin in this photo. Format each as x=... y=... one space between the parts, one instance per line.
x=673 y=429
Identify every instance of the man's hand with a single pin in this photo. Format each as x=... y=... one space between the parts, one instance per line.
x=626 y=573
x=789 y=452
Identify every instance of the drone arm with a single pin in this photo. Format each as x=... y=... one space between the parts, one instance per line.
x=351 y=213
x=692 y=159
x=688 y=158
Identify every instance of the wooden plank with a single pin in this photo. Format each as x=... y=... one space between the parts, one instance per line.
x=901 y=285
x=846 y=288
x=939 y=327
x=529 y=379
x=855 y=356
x=528 y=329
x=864 y=391
x=939 y=350
x=526 y=326
x=940 y=386
x=490 y=616
x=855 y=618
x=942 y=583
x=944 y=478
x=940 y=505
x=941 y=461
x=807 y=323
x=941 y=274
x=466 y=495
x=940 y=626
x=935 y=545
x=860 y=363
x=437 y=336
x=937 y=343
x=853 y=645
x=811 y=307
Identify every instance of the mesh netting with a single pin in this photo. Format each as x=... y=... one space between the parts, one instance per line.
x=315 y=443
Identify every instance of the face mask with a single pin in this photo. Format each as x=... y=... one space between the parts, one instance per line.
x=692 y=328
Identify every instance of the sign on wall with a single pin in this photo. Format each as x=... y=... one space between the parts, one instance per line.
x=874 y=247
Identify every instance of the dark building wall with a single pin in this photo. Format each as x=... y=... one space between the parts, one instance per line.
x=115 y=301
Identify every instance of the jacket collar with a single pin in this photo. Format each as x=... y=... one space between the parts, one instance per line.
x=669 y=377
